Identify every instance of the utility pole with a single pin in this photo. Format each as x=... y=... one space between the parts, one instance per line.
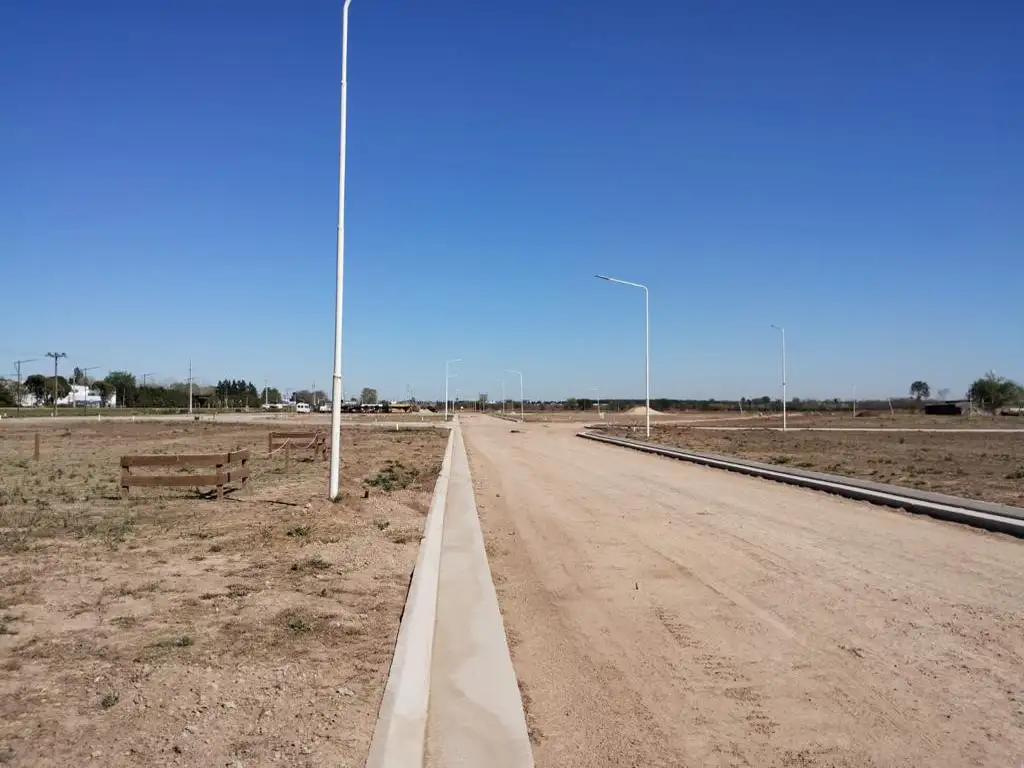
x=266 y=395
x=17 y=365
x=85 y=382
x=190 y=386
x=56 y=356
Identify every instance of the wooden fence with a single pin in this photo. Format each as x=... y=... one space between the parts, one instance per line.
x=221 y=462
x=297 y=441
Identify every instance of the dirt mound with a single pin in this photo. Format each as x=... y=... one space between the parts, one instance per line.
x=641 y=410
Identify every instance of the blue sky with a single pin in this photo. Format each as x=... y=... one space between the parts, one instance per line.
x=853 y=171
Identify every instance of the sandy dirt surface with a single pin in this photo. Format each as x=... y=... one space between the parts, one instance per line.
x=972 y=464
x=882 y=420
x=663 y=614
x=168 y=629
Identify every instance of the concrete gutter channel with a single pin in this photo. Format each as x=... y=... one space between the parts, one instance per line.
x=452 y=698
x=981 y=514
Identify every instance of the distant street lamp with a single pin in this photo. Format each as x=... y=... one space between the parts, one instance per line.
x=522 y=407
x=597 y=394
x=447 y=376
x=783 y=332
x=647 y=344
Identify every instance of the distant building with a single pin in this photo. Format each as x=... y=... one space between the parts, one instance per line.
x=81 y=395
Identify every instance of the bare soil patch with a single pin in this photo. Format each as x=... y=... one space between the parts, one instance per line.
x=975 y=465
x=168 y=628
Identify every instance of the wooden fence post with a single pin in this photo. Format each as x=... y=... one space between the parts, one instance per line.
x=245 y=477
x=220 y=482
x=35 y=451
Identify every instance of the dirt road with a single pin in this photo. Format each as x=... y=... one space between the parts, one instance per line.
x=662 y=614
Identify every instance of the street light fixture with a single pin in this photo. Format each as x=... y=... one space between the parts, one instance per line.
x=522 y=406
x=783 y=332
x=597 y=393
x=334 y=488
x=447 y=376
x=647 y=345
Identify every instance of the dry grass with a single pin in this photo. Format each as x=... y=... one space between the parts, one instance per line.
x=975 y=465
x=169 y=628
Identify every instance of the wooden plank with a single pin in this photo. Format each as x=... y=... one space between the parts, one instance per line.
x=175 y=460
x=275 y=436
x=168 y=481
x=236 y=456
x=234 y=475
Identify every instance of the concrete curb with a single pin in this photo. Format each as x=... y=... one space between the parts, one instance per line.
x=476 y=711
x=980 y=514
x=399 y=739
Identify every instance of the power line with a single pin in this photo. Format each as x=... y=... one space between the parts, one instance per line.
x=17 y=364
x=56 y=356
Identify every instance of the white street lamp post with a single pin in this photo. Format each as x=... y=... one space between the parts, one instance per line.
x=335 y=479
x=522 y=406
x=597 y=393
x=647 y=344
x=783 y=332
x=447 y=376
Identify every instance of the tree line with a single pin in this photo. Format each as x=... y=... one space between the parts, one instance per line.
x=122 y=388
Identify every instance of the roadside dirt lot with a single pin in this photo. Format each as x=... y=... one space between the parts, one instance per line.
x=882 y=420
x=663 y=615
x=168 y=629
x=977 y=465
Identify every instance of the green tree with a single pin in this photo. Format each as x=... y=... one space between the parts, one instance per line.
x=270 y=395
x=35 y=385
x=920 y=390
x=993 y=392
x=368 y=396
x=123 y=384
x=104 y=389
x=6 y=395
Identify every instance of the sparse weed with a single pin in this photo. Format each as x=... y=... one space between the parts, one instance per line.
x=393 y=475
x=314 y=563
x=181 y=641
x=299 y=530
x=109 y=700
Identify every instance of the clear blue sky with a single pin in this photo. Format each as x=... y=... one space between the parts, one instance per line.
x=853 y=171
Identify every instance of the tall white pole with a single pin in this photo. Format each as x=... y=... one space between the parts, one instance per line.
x=190 y=386
x=647 y=355
x=447 y=376
x=335 y=470
x=522 y=407
x=502 y=397
x=783 y=331
x=647 y=341
x=597 y=393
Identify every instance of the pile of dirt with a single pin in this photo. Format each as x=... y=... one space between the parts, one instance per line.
x=641 y=411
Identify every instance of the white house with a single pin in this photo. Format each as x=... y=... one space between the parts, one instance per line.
x=81 y=395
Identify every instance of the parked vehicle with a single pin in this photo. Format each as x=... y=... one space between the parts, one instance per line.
x=302 y=408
